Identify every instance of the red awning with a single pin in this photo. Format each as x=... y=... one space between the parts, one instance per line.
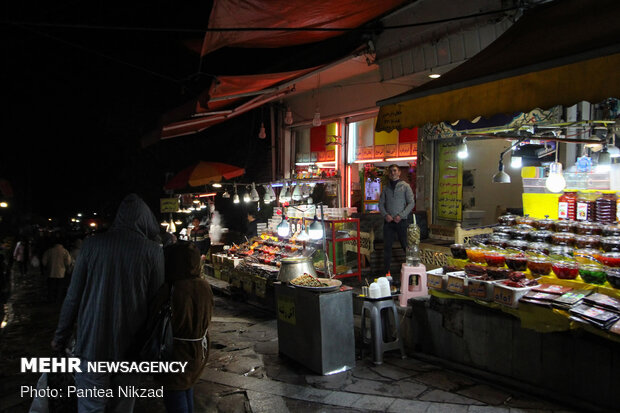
x=230 y=86
x=241 y=93
x=275 y=14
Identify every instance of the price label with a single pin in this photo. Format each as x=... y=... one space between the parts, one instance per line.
x=503 y=296
x=434 y=281
x=477 y=289
x=456 y=285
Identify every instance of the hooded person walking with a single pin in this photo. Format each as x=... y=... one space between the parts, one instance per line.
x=115 y=277
x=192 y=308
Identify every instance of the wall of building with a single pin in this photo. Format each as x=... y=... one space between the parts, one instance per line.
x=484 y=195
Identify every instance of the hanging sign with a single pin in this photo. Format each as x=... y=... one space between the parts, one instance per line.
x=168 y=204
x=450 y=186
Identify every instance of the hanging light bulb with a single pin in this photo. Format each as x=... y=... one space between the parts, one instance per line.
x=261 y=133
x=216 y=185
x=284 y=197
x=315 y=230
x=462 y=153
x=303 y=235
x=296 y=196
x=254 y=194
x=555 y=181
x=178 y=222
x=172 y=227
x=267 y=198
x=246 y=197
x=516 y=162
x=316 y=120
x=226 y=194
x=501 y=177
x=283 y=228
x=288 y=118
x=273 y=193
x=236 y=196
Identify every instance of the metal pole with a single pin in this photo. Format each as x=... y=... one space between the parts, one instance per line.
x=326 y=258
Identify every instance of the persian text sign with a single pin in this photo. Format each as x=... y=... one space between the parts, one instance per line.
x=450 y=185
x=168 y=205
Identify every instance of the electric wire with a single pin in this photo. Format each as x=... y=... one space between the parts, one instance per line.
x=258 y=29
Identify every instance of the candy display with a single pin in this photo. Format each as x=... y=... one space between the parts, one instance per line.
x=613 y=276
x=610 y=259
x=475 y=254
x=494 y=259
x=610 y=244
x=458 y=251
x=517 y=262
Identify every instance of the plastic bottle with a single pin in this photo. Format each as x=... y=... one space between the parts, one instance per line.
x=567 y=205
x=384 y=286
x=586 y=205
x=374 y=291
x=606 y=207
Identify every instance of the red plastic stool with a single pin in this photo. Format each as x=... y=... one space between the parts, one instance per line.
x=412 y=283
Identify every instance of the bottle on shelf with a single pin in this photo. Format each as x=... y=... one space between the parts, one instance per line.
x=586 y=205
x=567 y=206
x=606 y=206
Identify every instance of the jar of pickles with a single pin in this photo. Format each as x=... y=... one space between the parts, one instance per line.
x=611 y=230
x=592 y=273
x=540 y=236
x=507 y=219
x=588 y=241
x=526 y=220
x=563 y=238
x=588 y=228
x=567 y=205
x=520 y=233
x=564 y=226
x=606 y=207
x=565 y=270
x=610 y=244
x=539 y=265
x=586 y=205
x=544 y=224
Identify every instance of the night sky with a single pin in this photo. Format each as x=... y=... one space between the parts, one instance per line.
x=77 y=102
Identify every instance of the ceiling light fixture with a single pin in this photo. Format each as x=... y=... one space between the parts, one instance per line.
x=502 y=177
x=254 y=193
x=236 y=196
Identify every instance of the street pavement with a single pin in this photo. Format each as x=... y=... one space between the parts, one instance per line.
x=245 y=372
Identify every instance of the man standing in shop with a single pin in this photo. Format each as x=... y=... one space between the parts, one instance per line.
x=395 y=203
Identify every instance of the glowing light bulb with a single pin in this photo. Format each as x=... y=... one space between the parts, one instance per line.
x=555 y=182
x=462 y=153
x=283 y=228
x=516 y=162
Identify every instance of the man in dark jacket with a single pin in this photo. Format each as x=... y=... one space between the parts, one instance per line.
x=115 y=277
x=395 y=203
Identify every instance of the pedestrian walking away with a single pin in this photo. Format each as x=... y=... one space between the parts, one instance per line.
x=192 y=308
x=116 y=275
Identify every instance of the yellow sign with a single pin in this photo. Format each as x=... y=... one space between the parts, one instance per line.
x=286 y=309
x=168 y=204
x=450 y=186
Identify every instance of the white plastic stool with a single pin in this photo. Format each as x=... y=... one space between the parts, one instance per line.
x=412 y=283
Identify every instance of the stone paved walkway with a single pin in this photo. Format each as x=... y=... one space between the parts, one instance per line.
x=245 y=373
